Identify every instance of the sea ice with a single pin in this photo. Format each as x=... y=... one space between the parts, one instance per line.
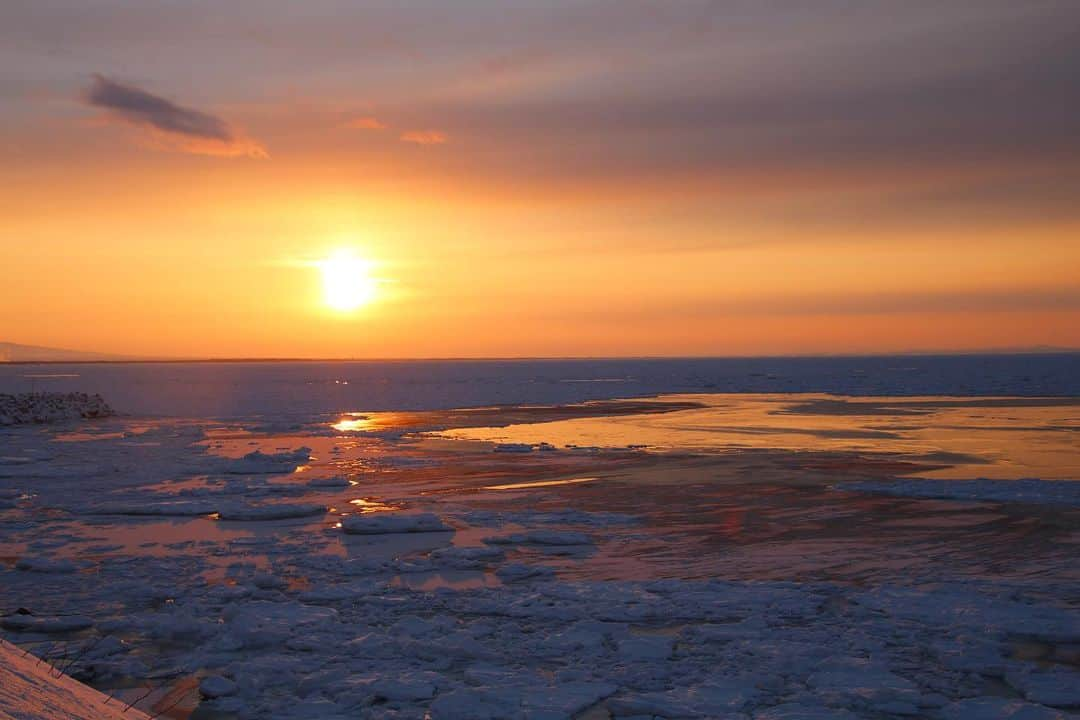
x=1030 y=490
x=281 y=511
x=514 y=572
x=165 y=508
x=215 y=686
x=402 y=690
x=1058 y=687
x=997 y=708
x=514 y=448
x=467 y=558
x=32 y=623
x=799 y=711
x=337 y=481
x=392 y=522
x=644 y=648
x=260 y=463
x=541 y=537
x=45 y=565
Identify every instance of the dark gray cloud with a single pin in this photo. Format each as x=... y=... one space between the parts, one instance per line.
x=723 y=92
x=891 y=92
x=140 y=107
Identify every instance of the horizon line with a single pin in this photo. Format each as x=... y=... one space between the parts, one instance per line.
x=509 y=358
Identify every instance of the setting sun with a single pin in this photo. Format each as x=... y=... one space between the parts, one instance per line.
x=347 y=281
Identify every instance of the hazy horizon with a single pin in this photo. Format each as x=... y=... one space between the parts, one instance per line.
x=38 y=354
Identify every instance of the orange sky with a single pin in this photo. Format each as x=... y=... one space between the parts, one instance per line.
x=654 y=180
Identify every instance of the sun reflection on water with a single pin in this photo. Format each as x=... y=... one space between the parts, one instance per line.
x=371 y=505
x=354 y=422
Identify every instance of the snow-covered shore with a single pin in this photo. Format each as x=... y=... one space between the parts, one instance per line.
x=33 y=689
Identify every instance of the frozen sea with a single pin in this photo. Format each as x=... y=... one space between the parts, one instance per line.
x=227 y=389
x=761 y=539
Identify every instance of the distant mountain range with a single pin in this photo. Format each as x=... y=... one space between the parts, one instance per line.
x=13 y=352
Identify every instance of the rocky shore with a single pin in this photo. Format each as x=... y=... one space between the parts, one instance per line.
x=42 y=407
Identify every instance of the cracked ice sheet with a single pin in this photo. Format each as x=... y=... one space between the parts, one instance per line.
x=298 y=620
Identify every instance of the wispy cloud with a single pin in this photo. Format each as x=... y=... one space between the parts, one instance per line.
x=424 y=137
x=170 y=126
x=366 y=123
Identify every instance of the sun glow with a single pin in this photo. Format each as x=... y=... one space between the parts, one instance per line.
x=347 y=281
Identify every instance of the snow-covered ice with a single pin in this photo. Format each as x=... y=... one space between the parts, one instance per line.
x=270 y=568
x=1024 y=490
x=392 y=523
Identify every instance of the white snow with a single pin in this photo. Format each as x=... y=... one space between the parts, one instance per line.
x=259 y=463
x=31 y=689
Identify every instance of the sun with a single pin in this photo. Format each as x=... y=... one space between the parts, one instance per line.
x=347 y=281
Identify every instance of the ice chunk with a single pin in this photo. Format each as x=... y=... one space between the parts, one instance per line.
x=1059 y=687
x=541 y=537
x=513 y=448
x=859 y=678
x=565 y=700
x=33 y=623
x=514 y=572
x=649 y=705
x=167 y=508
x=260 y=463
x=269 y=581
x=637 y=648
x=45 y=565
x=798 y=711
x=1028 y=490
x=329 y=482
x=388 y=523
x=259 y=624
x=215 y=686
x=476 y=704
x=337 y=593
x=281 y=511
x=402 y=690
x=467 y=558
x=996 y=708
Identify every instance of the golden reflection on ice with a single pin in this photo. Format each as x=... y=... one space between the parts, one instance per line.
x=371 y=505
x=354 y=422
x=539 y=483
x=952 y=437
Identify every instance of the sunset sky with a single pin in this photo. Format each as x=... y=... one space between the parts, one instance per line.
x=528 y=179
